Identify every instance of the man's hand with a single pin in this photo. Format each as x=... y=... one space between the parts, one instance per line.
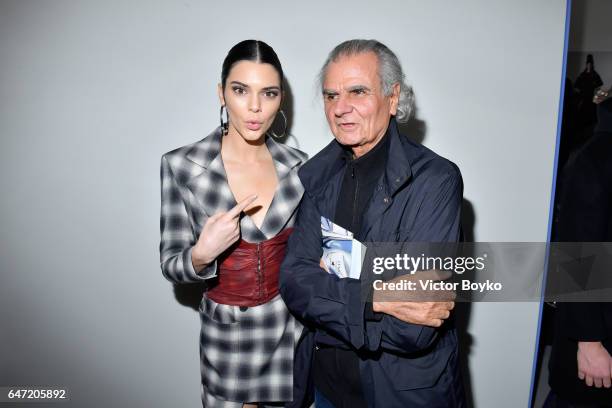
x=219 y=233
x=424 y=313
x=594 y=364
x=418 y=306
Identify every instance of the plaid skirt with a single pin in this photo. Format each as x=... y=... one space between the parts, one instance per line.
x=246 y=354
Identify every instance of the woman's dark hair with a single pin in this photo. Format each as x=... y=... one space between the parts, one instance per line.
x=250 y=50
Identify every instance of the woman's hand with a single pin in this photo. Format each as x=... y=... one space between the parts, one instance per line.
x=219 y=233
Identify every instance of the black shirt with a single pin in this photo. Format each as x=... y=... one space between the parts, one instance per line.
x=336 y=369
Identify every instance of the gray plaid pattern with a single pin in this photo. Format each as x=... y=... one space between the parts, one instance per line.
x=245 y=355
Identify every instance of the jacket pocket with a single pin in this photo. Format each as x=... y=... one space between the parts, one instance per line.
x=218 y=313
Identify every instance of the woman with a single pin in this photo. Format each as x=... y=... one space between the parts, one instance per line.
x=228 y=205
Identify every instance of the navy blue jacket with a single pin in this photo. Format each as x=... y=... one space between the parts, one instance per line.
x=417 y=199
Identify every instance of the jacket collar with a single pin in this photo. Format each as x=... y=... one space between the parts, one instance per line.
x=205 y=152
x=208 y=175
x=402 y=156
x=319 y=171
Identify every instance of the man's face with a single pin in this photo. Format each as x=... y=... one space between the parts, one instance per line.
x=357 y=111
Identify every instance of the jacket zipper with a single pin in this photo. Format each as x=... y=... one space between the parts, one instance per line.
x=354 y=197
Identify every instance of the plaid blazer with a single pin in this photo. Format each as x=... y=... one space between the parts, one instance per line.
x=194 y=187
x=246 y=353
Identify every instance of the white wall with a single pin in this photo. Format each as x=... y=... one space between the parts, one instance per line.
x=92 y=93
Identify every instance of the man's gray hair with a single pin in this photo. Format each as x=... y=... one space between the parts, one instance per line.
x=389 y=71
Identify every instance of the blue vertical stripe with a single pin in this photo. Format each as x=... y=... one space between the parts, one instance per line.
x=568 y=12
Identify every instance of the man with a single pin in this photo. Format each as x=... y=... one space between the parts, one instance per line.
x=580 y=367
x=376 y=183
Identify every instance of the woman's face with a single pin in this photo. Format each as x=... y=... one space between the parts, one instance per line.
x=252 y=98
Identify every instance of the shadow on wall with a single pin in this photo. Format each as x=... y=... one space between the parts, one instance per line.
x=463 y=310
x=279 y=127
x=189 y=294
x=415 y=129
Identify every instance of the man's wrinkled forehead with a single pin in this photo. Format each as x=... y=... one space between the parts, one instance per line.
x=351 y=70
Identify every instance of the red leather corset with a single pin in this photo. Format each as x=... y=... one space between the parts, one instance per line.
x=248 y=276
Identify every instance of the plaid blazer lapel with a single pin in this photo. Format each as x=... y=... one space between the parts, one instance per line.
x=209 y=182
x=289 y=189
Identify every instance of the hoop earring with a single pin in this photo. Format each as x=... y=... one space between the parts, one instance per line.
x=224 y=125
x=274 y=135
